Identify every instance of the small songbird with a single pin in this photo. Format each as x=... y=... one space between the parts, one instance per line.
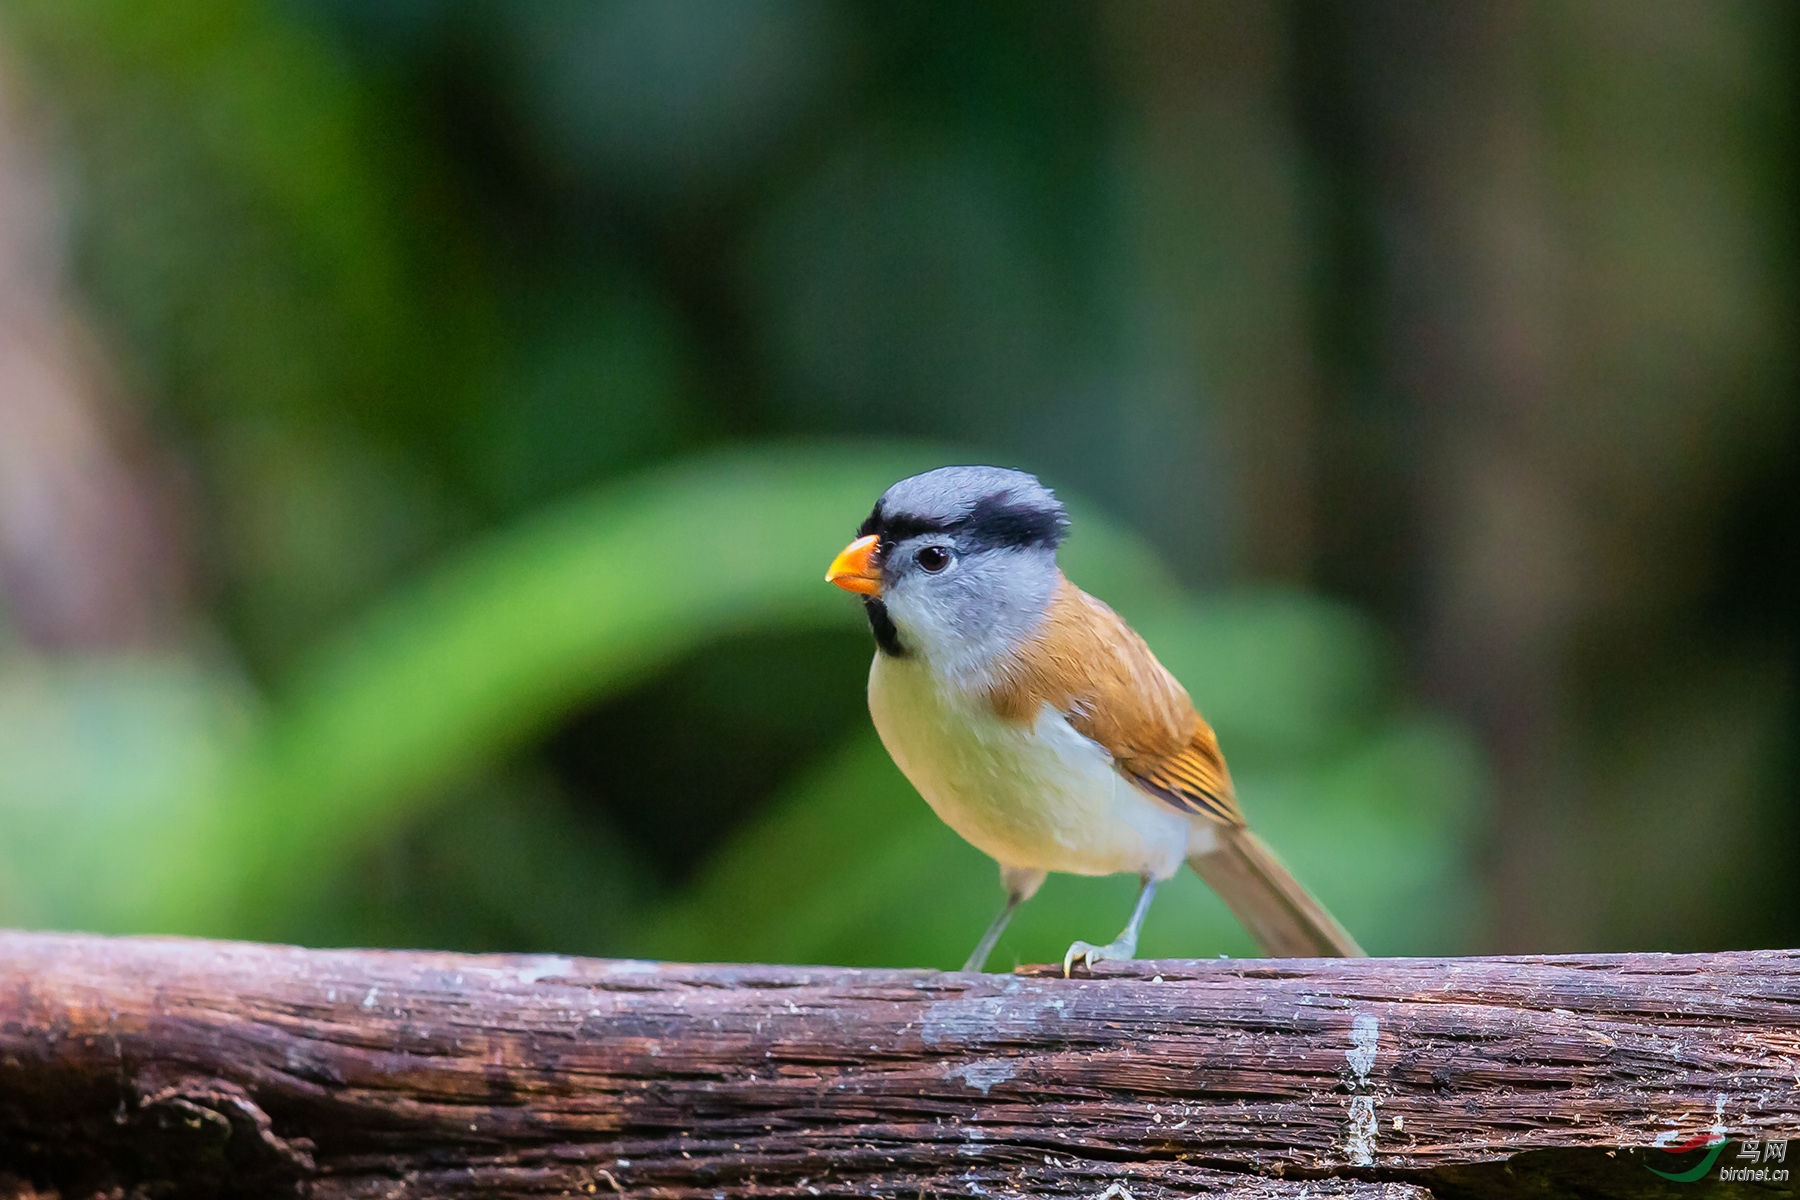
x=1038 y=725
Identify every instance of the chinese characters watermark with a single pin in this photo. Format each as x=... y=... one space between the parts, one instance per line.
x=1756 y=1151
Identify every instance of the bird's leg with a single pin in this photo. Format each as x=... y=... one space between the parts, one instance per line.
x=1120 y=948
x=978 y=957
x=1021 y=885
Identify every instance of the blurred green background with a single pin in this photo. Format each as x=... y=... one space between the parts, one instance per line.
x=424 y=425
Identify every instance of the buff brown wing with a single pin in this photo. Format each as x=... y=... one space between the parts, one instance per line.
x=1139 y=712
x=1193 y=779
x=1095 y=670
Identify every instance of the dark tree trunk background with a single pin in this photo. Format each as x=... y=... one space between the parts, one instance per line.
x=1557 y=436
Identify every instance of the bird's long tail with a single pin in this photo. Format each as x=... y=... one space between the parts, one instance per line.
x=1281 y=915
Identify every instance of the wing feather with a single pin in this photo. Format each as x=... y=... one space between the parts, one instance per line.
x=1087 y=664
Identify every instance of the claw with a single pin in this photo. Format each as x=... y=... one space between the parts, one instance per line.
x=1088 y=954
x=1121 y=948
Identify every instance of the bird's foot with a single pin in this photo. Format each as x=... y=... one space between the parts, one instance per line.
x=1120 y=949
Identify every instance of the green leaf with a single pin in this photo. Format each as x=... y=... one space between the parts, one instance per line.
x=142 y=796
x=482 y=657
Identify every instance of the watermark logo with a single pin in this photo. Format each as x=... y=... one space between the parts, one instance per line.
x=1688 y=1176
x=1748 y=1165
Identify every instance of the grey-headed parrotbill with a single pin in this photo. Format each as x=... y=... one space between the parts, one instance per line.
x=1038 y=725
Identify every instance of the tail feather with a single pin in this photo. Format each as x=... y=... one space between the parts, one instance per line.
x=1281 y=915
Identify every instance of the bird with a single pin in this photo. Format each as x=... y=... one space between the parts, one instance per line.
x=1038 y=724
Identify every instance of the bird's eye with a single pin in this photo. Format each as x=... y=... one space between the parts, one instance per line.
x=933 y=558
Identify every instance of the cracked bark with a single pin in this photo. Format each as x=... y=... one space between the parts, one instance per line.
x=183 y=1067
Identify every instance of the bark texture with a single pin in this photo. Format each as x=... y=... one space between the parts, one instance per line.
x=174 y=1067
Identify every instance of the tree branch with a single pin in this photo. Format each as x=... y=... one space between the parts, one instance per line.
x=163 y=1064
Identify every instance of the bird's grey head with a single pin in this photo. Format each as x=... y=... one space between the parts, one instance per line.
x=967 y=561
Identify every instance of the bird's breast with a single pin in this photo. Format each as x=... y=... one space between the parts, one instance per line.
x=1029 y=793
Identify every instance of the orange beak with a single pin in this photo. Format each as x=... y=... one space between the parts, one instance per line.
x=854 y=570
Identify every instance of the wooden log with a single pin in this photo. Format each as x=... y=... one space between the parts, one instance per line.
x=148 y=1067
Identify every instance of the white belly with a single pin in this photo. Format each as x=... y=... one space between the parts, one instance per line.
x=1040 y=795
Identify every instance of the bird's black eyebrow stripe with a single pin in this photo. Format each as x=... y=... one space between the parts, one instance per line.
x=995 y=521
x=999 y=521
x=901 y=526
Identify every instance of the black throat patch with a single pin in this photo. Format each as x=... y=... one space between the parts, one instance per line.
x=887 y=638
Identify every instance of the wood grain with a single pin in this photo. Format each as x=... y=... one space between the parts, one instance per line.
x=188 y=1067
